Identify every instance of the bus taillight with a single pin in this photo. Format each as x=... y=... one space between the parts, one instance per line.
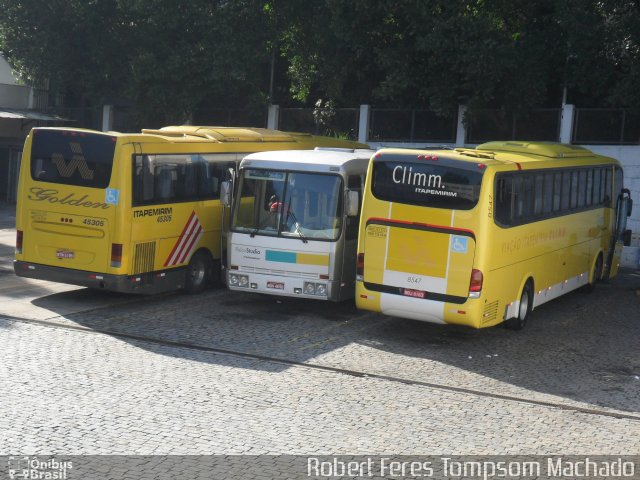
x=475 y=285
x=18 y=241
x=360 y=267
x=116 y=255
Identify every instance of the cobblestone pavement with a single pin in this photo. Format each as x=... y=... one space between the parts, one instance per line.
x=83 y=392
x=224 y=372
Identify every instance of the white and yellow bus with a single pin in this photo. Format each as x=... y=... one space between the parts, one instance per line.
x=482 y=236
x=132 y=212
x=294 y=227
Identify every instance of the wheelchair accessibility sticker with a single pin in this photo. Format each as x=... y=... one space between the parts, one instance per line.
x=459 y=244
x=112 y=196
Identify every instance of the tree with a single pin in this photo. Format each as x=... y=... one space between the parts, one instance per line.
x=167 y=58
x=170 y=59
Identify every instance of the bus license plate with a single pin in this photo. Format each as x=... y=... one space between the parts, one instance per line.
x=65 y=254
x=276 y=285
x=407 y=292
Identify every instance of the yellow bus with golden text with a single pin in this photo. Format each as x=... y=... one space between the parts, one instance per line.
x=482 y=236
x=133 y=212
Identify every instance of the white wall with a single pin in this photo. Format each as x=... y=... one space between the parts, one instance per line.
x=14 y=96
x=6 y=74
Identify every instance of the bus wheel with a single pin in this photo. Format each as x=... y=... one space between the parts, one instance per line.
x=597 y=276
x=526 y=305
x=198 y=272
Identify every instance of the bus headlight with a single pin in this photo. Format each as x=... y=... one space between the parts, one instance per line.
x=321 y=289
x=236 y=280
x=309 y=288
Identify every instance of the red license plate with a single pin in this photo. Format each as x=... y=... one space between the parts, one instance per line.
x=407 y=292
x=276 y=285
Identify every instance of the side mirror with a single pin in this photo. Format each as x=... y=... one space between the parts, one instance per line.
x=225 y=193
x=352 y=201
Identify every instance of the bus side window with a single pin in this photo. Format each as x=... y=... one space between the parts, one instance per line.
x=504 y=200
x=164 y=184
x=589 y=193
x=538 y=195
x=566 y=191
x=582 y=188
x=606 y=201
x=547 y=206
x=557 y=191
x=597 y=183
x=142 y=180
x=574 y=189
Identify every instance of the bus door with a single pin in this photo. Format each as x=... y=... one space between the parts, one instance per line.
x=621 y=213
x=229 y=189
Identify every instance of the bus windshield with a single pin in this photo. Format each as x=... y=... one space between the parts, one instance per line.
x=446 y=184
x=72 y=158
x=289 y=204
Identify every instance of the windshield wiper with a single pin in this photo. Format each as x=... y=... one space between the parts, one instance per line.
x=260 y=226
x=297 y=226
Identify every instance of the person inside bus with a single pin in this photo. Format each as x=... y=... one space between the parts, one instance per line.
x=276 y=209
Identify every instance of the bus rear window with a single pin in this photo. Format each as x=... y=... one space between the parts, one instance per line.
x=72 y=158
x=427 y=184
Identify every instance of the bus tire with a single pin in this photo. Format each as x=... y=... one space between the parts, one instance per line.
x=199 y=272
x=596 y=277
x=524 y=309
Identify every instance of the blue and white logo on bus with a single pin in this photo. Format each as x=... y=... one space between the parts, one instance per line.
x=112 y=196
x=459 y=244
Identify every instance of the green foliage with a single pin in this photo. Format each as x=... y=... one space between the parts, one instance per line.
x=170 y=58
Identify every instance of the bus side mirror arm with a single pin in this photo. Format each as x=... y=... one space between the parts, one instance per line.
x=352 y=201
x=629 y=200
x=225 y=193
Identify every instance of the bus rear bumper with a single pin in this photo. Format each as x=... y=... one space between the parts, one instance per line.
x=147 y=283
x=424 y=310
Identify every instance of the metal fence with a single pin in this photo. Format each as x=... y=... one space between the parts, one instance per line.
x=410 y=125
x=338 y=122
x=494 y=124
x=613 y=126
x=231 y=117
x=591 y=126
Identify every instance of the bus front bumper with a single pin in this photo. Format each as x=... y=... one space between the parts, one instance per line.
x=283 y=286
x=148 y=283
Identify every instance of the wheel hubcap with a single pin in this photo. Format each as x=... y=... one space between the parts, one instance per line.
x=197 y=273
x=524 y=305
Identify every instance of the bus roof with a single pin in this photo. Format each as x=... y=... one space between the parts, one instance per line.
x=227 y=134
x=544 y=149
x=512 y=152
x=319 y=159
x=213 y=134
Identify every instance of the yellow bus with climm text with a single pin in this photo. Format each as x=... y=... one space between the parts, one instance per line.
x=483 y=236
x=133 y=212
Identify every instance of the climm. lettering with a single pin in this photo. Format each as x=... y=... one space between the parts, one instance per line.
x=407 y=176
x=50 y=195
